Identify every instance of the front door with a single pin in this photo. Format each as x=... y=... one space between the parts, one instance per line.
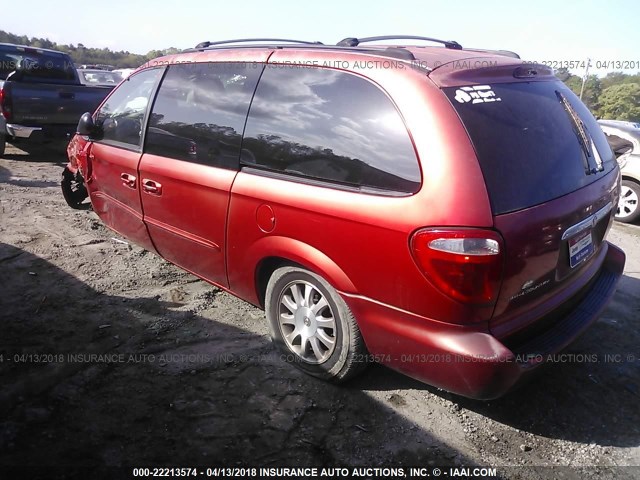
x=114 y=185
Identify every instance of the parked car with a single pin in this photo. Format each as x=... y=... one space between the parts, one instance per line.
x=437 y=209
x=124 y=72
x=41 y=97
x=98 y=78
x=624 y=140
x=620 y=123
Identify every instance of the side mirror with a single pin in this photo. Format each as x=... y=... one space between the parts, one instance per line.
x=86 y=125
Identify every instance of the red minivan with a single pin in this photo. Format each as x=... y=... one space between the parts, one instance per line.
x=437 y=209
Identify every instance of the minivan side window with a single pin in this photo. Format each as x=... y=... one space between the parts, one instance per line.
x=121 y=117
x=200 y=111
x=327 y=125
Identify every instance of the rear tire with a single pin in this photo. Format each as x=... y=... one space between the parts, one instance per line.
x=312 y=326
x=3 y=145
x=628 y=206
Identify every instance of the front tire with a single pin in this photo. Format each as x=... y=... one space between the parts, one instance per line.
x=628 y=205
x=74 y=189
x=312 y=325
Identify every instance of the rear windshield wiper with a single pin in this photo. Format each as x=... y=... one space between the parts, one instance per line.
x=584 y=138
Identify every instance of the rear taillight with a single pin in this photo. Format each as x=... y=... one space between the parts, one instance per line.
x=465 y=264
x=5 y=106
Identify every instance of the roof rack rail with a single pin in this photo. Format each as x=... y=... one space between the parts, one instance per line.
x=393 y=52
x=354 y=42
x=400 y=53
x=249 y=40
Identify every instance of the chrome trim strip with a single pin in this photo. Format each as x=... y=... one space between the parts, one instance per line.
x=590 y=221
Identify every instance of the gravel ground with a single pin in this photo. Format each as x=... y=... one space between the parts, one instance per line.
x=109 y=356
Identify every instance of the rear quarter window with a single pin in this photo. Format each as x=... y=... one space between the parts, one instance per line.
x=527 y=144
x=330 y=126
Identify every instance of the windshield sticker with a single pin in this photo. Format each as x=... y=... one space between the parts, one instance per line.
x=477 y=94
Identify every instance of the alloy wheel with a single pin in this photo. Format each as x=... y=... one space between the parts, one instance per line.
x=307 y=322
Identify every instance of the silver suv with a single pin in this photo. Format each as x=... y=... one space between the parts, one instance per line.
x=624 y=140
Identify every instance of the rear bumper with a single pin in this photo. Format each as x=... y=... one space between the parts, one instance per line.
x=45 y=133
x=20 y=131
x=470 y=361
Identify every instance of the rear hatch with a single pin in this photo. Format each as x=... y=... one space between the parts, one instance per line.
x=552 y=182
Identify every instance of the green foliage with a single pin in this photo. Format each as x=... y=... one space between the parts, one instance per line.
x=613 y=97
x=621 y=102
x=616 y=78
x=83 y=55
x=592 y=87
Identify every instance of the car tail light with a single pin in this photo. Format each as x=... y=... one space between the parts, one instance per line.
x=5 y=105
x=465 y=264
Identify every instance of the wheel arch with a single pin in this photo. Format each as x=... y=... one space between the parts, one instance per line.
x=630 y=178
x=271 y=253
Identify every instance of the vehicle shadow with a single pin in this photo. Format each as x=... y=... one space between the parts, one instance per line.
x=8 y=178
x=589 y=395
x=54 y=152
x=95 y=380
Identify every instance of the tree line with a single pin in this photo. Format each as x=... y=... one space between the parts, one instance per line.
x=82 y=55
x=615 y=96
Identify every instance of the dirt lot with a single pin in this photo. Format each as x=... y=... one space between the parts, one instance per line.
x=110 y=356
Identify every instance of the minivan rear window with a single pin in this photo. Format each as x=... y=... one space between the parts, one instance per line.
x=528 y=142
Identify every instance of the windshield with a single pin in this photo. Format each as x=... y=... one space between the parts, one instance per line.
x=535 y=141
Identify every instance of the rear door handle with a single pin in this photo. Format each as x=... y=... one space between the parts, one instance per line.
x=128 y=180
x=151 y=186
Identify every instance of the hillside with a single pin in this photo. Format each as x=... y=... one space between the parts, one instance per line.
x=87 y=55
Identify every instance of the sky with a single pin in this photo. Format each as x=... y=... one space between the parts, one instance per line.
x=552 y=31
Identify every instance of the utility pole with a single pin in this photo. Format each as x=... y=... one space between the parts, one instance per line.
x=584 y=79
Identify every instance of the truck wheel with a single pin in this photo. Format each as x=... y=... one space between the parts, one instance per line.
x=312 y=325
x=74 y=190
x=628 y=205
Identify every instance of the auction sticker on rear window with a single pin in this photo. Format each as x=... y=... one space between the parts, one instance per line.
x=477 y=94
x=580 y=247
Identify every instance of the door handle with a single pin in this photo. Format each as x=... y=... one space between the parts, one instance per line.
x=151 y=186
x=128 y=180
